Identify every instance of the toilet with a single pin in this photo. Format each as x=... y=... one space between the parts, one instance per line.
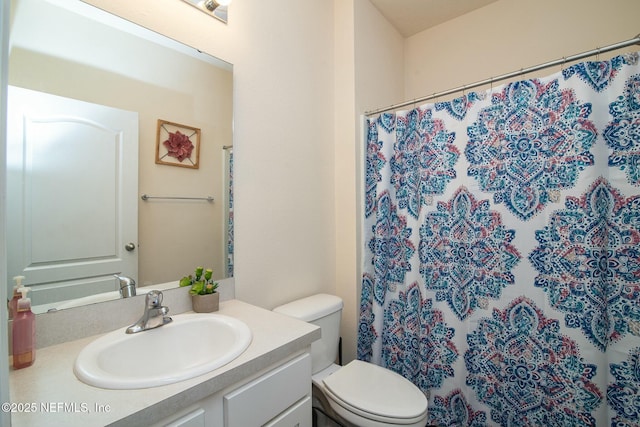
x=360 y=393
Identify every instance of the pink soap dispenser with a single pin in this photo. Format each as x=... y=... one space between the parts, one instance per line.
x=24 y=333
x=13 y=302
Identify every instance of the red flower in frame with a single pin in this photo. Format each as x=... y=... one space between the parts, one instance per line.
x=178 y=145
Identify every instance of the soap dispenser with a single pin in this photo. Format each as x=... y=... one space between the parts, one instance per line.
x=13 y=302
x=24 y=332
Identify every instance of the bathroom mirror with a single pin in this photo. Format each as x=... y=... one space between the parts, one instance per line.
x=70 y=49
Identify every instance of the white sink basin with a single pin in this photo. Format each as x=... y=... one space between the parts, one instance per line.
x=191 y=345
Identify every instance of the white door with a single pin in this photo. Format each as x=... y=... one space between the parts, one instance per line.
x=72 y=184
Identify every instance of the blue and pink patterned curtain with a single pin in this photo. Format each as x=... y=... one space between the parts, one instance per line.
x=502 y=250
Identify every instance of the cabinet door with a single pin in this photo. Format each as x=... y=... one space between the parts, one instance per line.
x=261 y=400
x=72 y=190
x=299 y=415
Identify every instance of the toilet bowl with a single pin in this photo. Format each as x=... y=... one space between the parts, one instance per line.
x=367 y=395
x=360 y=393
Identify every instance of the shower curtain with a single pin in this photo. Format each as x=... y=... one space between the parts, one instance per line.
x=501 y=269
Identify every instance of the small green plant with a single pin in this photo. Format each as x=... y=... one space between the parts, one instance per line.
x=200 y=285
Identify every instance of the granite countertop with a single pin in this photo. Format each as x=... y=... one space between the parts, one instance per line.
x=48 y=393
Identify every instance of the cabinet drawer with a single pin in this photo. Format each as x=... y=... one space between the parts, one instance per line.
x=261 y=400
x=299 y=415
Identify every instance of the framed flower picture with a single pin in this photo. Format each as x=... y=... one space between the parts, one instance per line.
x=177 y=145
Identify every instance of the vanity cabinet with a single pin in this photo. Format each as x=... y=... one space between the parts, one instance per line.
x=267 y=385
x=278 y=397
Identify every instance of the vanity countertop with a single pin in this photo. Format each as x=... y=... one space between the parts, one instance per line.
x=48 y=393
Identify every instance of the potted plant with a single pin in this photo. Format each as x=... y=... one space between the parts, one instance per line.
x=204 y=297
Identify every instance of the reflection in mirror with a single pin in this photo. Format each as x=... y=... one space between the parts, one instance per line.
x=228 y=209
x=216 y=8
x=54 y=197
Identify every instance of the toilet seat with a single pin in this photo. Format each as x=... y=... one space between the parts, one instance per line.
x=376 y=394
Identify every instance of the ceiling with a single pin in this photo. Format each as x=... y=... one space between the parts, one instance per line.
x=413 y=16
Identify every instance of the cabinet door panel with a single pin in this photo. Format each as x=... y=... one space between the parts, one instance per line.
x=259 y=401
x=299 y=415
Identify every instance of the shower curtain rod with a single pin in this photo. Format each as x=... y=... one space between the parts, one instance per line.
x=561 y=61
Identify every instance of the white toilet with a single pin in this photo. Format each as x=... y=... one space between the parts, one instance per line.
x=360 y=394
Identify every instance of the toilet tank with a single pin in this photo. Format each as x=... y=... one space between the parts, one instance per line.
x=322 y=310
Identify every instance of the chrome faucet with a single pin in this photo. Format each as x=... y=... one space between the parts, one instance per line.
x=127 y=286
x=155 y=314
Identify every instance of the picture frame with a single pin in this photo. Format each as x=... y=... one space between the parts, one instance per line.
x=177 y=145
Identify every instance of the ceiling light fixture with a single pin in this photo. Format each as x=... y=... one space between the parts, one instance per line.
x=212 y=5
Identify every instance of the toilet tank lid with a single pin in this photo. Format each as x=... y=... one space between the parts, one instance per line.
x=311 y=308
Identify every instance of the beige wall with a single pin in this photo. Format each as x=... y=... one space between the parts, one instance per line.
x=509 y=35
x=283 y=135
x=173 y=238
x=345 y=186
x=377 y=79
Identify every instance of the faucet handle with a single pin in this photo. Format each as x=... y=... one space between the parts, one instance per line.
x=154 y=299
x=124 y=280
x=127 y=285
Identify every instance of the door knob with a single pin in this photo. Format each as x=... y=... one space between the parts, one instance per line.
x=130 y=246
